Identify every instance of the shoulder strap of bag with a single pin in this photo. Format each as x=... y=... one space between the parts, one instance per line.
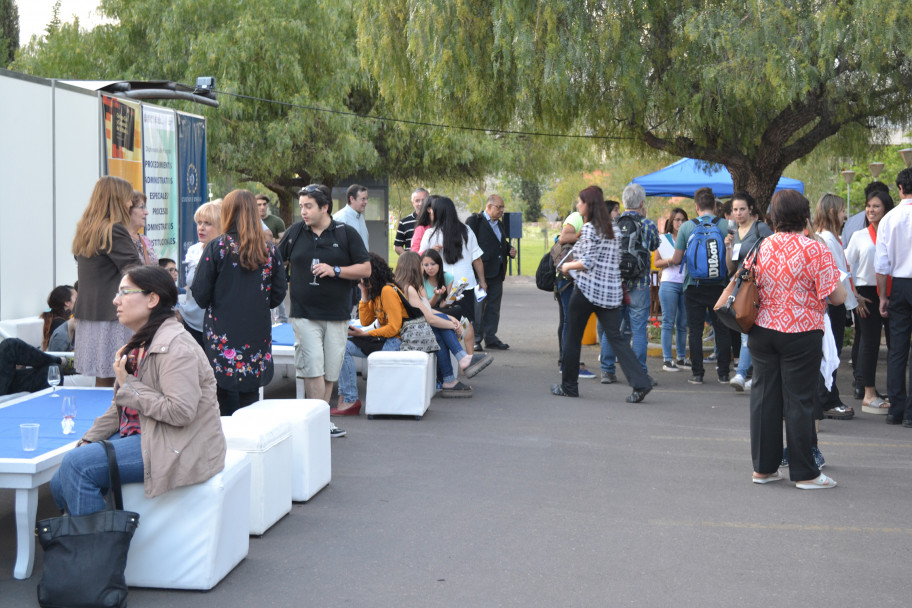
x=113 y=478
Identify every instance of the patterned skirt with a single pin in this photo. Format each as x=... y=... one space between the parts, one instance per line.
x=97 y=342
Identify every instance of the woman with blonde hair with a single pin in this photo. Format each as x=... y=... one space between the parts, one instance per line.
x=208 y=218
x=103 y=249
x=238 y=281
x=829 y=217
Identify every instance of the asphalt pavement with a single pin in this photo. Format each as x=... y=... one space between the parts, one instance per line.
x=519 y=498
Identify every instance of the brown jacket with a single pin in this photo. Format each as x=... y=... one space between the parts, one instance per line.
x=182 y=440
x=99 y=277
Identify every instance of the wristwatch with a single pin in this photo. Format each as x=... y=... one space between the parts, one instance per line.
x=337 y=270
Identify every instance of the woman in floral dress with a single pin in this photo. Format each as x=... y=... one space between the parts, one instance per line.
x=238 y=281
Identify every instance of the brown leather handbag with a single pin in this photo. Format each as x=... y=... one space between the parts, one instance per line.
x=739 y=303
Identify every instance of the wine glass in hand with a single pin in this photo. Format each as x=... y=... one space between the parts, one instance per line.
x=313 y=266
x=54 y=379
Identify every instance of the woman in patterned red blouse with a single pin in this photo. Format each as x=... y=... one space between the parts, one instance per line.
x=795 y=278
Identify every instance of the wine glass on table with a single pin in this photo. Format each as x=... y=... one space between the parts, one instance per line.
x=313 y=265
x=54 y=379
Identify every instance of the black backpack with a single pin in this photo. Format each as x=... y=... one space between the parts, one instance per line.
x=545 y=275
x=634 y=246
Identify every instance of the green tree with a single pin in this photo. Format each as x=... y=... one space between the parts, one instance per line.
x=303 y=54
x=9 y=31
x=752 y=85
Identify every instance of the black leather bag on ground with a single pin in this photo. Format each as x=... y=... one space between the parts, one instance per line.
x=85 y=555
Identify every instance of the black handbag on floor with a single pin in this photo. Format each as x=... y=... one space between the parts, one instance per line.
x=85 y=555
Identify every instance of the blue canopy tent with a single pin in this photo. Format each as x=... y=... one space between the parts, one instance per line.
x=687 y=175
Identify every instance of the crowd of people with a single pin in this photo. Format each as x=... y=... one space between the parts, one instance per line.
x=183 y=364
x=811 y=283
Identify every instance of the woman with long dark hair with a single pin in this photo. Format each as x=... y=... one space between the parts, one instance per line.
x=379 y=302
x=796 y=277
x=596 y=271
x=239 y=280
x=461 y=254
x=860 y=257
x=164 y=419
x=103 y=249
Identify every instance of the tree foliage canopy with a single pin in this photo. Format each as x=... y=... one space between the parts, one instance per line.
x=9 y=31
x=753 y=85
x=302 y=54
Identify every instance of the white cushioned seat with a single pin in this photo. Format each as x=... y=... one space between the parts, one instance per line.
x=311 y=465
x=192 y=536
x=268 y=442
x=400 y=383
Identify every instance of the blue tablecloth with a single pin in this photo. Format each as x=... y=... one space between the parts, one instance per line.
x=46 y=411
x=283 y=334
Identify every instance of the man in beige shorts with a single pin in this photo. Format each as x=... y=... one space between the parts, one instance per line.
x=325 y=258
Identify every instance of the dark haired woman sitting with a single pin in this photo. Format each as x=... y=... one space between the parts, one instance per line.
x=164 y=419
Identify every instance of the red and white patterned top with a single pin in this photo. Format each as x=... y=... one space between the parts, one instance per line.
x=794 y=276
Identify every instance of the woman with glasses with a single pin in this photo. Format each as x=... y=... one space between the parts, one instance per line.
x=164 y=419
x=138 y=213
x=238 y=281
x=103 y=249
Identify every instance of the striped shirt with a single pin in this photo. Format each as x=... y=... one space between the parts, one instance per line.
x=405 y=231
x=600 y=282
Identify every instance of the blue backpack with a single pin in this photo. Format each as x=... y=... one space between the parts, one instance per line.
x=705 y=253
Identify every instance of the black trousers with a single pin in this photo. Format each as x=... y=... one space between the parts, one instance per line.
x=698 y=300
x=13 y=352
x=900 y=310
x=782 y=365
x=610 y=318
x=231 y=401
x=828 y=399
x=868 y=333
x=489 y=320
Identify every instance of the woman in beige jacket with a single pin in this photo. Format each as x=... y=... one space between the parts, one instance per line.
x=164 y=418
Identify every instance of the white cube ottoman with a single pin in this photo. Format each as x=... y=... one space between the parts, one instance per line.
x=400 y=383
x=193 y=536
x=268 y=442
x=311 y=466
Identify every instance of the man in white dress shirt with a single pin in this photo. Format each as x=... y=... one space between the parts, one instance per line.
x=892 y=259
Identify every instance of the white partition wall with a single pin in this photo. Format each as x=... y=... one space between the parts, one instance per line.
x=50 y=158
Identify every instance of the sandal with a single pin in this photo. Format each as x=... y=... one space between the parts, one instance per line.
x=458 y=391
x=821 y=483
x=876 y=406
x=777 y=476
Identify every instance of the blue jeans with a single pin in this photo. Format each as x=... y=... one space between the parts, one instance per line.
x=348 y=375
x=78 y=483
x=744 y=358
x=449 y=343
x=634 y=318
x=674 y=319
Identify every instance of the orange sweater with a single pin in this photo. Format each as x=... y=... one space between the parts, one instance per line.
x=387 y=309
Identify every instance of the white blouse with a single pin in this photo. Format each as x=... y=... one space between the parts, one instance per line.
x=860 y=255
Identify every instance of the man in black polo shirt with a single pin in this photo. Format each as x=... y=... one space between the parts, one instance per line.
x=325 y=258
x=406 y=227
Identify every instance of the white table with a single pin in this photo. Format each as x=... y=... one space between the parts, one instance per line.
x=25 y=476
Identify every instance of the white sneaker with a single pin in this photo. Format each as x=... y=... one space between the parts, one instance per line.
x=747 y=385
x=737 y=383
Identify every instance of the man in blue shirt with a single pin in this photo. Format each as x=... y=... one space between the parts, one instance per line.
x=634 y=316
x=701 y=295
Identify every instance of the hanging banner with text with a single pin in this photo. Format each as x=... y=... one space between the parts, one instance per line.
x=192 y=177
x=123 y=139
x=160 y=179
